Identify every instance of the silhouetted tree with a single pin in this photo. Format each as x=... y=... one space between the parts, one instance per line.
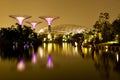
x=116 y=27
x=103 y=27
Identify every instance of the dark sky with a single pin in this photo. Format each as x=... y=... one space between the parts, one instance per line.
x=79 y=12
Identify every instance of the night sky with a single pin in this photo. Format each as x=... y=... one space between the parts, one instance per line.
x=79 y=12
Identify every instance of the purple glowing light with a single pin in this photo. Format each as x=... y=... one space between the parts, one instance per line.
x=33 y=23
x=49 y=19
x=49 y=62
x=20 y=65
x=34 y=58
x=19 y=19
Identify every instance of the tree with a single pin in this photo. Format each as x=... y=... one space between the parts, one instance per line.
x=116 y=26
x=103 y=27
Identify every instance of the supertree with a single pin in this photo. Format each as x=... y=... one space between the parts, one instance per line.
x=49 y=20
x=33 y=24
x=19 y=18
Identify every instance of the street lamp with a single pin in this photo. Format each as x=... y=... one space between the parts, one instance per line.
x=33 y=24
x=20 y=19
x=49 y=20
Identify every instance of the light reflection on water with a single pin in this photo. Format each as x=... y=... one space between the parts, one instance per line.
x=34 y=58
x=49 y=62
x=64 y=59
x=40 y=52
x=21 y=65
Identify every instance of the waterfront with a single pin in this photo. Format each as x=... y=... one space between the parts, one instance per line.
x=61 y=62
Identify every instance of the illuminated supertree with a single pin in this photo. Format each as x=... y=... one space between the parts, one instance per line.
x=20 y=19
x=49 y=20
x=33 y=23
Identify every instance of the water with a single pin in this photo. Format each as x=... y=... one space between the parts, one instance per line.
x=60 y=62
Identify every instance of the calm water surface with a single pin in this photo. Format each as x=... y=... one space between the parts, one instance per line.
x=61 y=62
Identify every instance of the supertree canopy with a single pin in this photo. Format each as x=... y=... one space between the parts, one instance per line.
x=19 y=18
x=49 y=20
x=33 y=23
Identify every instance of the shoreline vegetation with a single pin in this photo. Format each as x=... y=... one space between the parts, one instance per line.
x=16 y=42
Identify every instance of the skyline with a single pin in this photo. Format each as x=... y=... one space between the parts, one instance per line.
x=78 y=12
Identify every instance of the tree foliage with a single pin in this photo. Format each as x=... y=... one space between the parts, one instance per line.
x=19 y=34
x=104 y=27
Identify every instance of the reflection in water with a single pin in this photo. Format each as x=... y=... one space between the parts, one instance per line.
x=106 y=62
x=15 y=45
x=49 y=62
x=69 y=50
x=50 y=48
x=117 y=57
x=65 y=47
x=76 y=50
x=34 y=58
x=103 y=65
x=117 y=63
x=21 y=65
x=87 y=52
x=40 y=52
x=76 y=44
x=26 y=45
